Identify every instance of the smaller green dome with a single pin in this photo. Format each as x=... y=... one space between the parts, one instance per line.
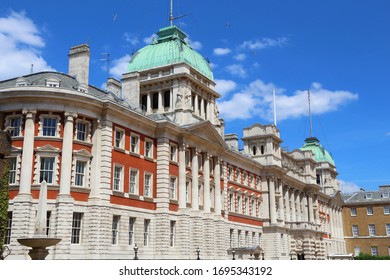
x=169 y=48
x=320 y=154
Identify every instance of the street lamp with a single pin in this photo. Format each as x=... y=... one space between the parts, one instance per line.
x=135 y=252
x=262 y=256
x=233 y=253
x=197 y=253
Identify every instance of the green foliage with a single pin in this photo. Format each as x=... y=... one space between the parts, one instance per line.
x=364 y=256
x=4 y=199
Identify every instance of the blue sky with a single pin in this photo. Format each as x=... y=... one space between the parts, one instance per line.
x=337 y=49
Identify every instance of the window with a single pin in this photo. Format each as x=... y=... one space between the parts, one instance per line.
x=131 y=230
x=172 y=233
x=48 y=216
x=187 y=158
x=230 y=173
x=246 y=208
x=148 y=185
x=368 y=195
x=246 y=238
x=188 y=191
x=119 y=140
x=353 y=211
x=167 y=99
x=146 y=232
x=173 y=153
x=47 y=170
x=238 y=238
x=231 y=201
x=356 y=251
x=238 y=175
x=386 y=210
x=374 y=251
x=239 y=204
x=148 y=149
x=231 y=238
x=49 y=127
x=115 y=229
x=371 y=230
x=370 y=211
x=155 y=101
x=14 y=126
x=200 y=162
x=118 y=175
x=76 y=227
x=12 y=170
x=82 y=131
x=388 y=229
x=355 y=230
x=80 y=173
x=8 y=228
x=253 y=207
x=172 y=188
x=134 y=144
x=385 y=195
x=133 y=181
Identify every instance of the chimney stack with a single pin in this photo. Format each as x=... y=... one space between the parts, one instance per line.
x=79 y=64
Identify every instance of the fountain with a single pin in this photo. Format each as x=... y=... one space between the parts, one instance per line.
x=40 y=241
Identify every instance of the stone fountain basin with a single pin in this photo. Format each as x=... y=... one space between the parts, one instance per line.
x=39 y=242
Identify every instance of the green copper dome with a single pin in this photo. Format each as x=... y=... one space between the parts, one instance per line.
x=169 y=48
x=320 y=154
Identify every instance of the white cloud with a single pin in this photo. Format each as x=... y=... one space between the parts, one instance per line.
x=224 y=86
x=221 y=51
x=348 y=187
x=287 y=106
x=131 y=38
x=149 y=40
x=20 y=41
x=240 y=57
x=120 y=66
x=236 y=70
x=196 y=45
x=264 y=43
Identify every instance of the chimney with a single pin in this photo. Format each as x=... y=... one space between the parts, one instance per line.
x=114 y=86
x=131 y=88
x=232 y=140
x=79 y=64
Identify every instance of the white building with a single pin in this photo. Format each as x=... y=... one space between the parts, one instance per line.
x=146 y=162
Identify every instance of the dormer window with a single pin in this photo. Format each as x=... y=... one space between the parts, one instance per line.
x=369 y=196
x=53 y=82
x=21 y=82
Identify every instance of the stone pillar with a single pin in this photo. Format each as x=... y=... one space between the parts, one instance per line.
x=217 y=183
x=195 y=180
x=332 y=222
x=160 y=101
x=341 y=223
x=316 y=209
x=305 y=210
x=272 y=204
x=292 y=202
x=311 y=210
x=287 y=200
x=182 y=176
x=28 y=151
x=265 y=196
x=96 y=158
x=206 y=187
x=66 y=155
x=196 y=104
x=281 y=201
x=298 y=206
x=149 y=103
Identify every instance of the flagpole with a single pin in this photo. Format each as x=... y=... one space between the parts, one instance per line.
x=274 y=95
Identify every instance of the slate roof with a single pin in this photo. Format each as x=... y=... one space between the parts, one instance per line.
x=361 y=197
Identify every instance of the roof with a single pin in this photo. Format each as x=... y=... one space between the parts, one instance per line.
x=169 y=48
x=363 y=197
x=320 y=154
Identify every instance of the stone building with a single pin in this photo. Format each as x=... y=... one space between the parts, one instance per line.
x=146 y=162
x=366 y=217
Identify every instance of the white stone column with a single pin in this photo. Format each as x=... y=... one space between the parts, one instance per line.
x=287 y=200
x=316 y=211
x=311 y=210
x=196 y=104
x=217 y=183
x=66 y=155
x=299 y=206
x=293 y=210
x=28 y=151
x=149 y=103
x=195 y=180
x=201 y=109
x=341 y=223
x=160 y=101
x=332 y=222
x=272 y=204
x=206 y=188
x=281 y=201
x=96 y=158
x=182 y=176
x=304 y=205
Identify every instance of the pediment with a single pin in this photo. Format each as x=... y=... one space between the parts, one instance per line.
x=206 y=131
x=47 y=149
x=82 y=153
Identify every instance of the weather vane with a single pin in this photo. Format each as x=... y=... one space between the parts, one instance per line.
x=171 y=18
